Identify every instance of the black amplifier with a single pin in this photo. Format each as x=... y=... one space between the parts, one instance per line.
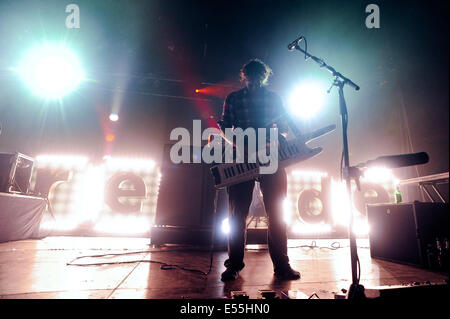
x=15 y=172
x=410 y=233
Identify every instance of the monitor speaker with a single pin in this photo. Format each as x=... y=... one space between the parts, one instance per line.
x=15 y=172
x=409 y=233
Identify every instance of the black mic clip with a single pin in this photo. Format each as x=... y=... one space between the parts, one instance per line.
x=353 y=173
x=294 y=43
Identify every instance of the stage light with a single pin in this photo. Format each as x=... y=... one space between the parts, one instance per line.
x=225 y=226
x=306 y=100
x=82 y=200
x=125 y=225
x=133 y=164
x=197 y=90
x=88 y=194
x=340 y=203
x=110 y=137
x=309 y=173
x=61 y=161
x=308 y=176
x=287 y=211
x=378 y=175
x=113 y=117
x=373 y=184
x=360 y=227
x=60 y=225
x=396 y=182
x=51 y=71
x=301 y=228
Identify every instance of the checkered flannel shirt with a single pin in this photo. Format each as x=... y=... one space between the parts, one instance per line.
x=257 y=110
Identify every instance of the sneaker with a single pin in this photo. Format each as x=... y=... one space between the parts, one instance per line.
x=229 y=274
x=287 y=274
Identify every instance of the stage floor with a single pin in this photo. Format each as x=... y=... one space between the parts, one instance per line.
x=38 y=269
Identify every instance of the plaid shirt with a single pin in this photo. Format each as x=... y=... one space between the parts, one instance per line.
x=257 y=110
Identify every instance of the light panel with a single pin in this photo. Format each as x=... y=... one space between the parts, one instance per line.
x=81 y=202
x=339 y=205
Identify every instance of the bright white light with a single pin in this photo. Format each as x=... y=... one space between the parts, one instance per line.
x=396 y=182
x=378 y=175
x=340 y=203
x=61 y=161
x=306 y=100
x=301 y=228
x=123 y=225
x=287 y=211
x=88 y=193
x=51 y=71
x=82 y=201
x=340 y=209
x=134 y=164
x=225 y=226
x=360 y=227
x=309 y=174
x=113 y=117
x=60 y=224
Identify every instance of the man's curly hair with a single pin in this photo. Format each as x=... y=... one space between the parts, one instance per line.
x=256 y=70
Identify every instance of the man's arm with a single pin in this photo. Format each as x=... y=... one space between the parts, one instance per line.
x=227 y=116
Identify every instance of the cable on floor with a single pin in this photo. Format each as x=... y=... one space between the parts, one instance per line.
x=164 y=266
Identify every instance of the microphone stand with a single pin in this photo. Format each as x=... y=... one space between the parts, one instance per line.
x=356 y=291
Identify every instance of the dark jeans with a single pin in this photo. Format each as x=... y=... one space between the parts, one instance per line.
x=273 y=188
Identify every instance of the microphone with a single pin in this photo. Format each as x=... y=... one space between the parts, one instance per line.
x=294 y=43
x=401 y=160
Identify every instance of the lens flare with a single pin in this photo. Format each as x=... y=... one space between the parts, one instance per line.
x=306 y=100
x=225 y=226
x=113 y=117
x=51 y=71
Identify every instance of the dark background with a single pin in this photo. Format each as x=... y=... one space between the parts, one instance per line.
x=147 y=57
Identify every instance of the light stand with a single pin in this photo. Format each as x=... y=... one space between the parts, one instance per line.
x=356 y=291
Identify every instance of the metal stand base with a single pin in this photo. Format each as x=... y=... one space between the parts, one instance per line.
x=356 y=292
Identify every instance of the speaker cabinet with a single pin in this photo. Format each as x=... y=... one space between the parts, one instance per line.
x=414 y=291
x=404 y=233
x=185 y=207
